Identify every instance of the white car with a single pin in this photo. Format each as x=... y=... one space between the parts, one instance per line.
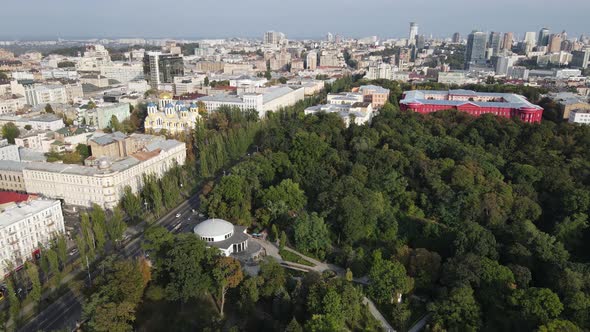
x=178 y=215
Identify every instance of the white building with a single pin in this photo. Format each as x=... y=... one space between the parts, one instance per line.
x=36 y=94
x=579 y=116
x=39 y=141
x=60 y=73
x=25 y=226
x=104 y=184
x=358 y=113
x=8 y=151
x=223 y=235
x=122 y=72
x=11 y=104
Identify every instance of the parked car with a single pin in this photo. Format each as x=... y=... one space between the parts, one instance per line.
x=178 y=215
x=73 y=251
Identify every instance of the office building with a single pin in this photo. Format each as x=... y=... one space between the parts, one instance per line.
x=413 y=33
x=456 y=38
x=529 y=42
x=161 y=68
x=543 y=37
x=25 y=227
x=581 y=59
x=475 y=53
x=494 y=43
x=122 y=73
x=507 y=41
x=475 y=103
x=554 y=43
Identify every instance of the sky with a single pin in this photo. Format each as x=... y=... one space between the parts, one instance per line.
x=50 y=19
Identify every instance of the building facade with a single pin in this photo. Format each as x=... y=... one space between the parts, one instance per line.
x=26 y=226
x=475 y=103
x=161 y=68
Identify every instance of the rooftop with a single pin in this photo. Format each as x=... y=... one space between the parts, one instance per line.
x=214 y=227
x=20 y=211
x=509 y=100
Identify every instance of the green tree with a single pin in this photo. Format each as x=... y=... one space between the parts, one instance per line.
x=98 y=217
x=53 y=262
x=116 y=226
x=536 y=305
x=33 y=275
x=89 y=247
x=283 y=240
x=10 y=131
x=388 y=280
x=459 y=311
x=61 y=248
x=206 y=81
x=559 y=325
x=273 y=278
x=13 y=300
x=311 y=234
x=184 y=268
x=227 y=273
x=49 y=108
x=131 y=204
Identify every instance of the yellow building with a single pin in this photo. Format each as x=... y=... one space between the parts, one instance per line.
x=173 y=116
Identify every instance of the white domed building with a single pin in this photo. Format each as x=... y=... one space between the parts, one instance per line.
x=225 y=236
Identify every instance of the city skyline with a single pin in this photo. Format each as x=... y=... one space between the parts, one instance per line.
x=134 y=18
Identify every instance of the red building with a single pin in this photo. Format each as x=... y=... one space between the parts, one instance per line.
x=506 y=105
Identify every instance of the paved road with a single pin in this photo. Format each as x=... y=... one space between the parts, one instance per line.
x=420 y=324
x=66 y=311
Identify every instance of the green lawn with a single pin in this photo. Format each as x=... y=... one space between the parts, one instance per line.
x=293 y=257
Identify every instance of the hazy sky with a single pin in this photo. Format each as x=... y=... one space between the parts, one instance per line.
x=296 y=18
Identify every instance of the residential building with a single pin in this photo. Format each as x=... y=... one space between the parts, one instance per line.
x=39 y=141
x=41 y=94
x=475 y=103
x=579 y=116
x=101 y=116
x=11 y=176
x=11 y=104
x=8 y=151
x=274 y=38
x=456 y=38
x=311 y=60
x=375 y=95
x=507 y=41
x=25 y=227
x=102 y=183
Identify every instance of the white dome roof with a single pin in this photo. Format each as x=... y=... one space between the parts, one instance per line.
x=213 y=228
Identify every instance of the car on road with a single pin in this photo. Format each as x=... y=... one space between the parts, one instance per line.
x=73 y=251
x=178 y=215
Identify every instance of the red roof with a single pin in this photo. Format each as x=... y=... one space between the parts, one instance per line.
x=9 y=197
